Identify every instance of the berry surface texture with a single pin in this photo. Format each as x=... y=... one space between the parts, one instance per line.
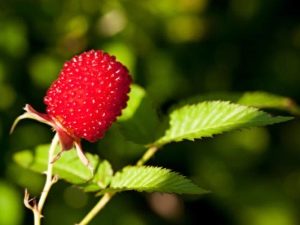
x=89 y=94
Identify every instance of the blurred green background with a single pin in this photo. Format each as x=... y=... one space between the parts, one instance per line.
x=175 y=49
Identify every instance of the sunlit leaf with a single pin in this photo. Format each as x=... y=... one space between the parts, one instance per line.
x=101 y=178
x=136 y=96
x=258 y=99
x=267 y=100
x=209 y=118
x=67 y=167
x=152 y=179
x=139 y=121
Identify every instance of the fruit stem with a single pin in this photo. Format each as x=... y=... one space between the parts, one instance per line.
x=50 y=180
x=148 y=155
x=97 y=208
x=109 y=195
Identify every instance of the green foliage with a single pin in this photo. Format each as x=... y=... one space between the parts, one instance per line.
x=176 y=51
x=139 y=121
x=70 y=168
x=101 y=179
x=152 y=179
x=186 y=123
x=136 y=96
x=67 y=167
x=209 y=118
x=258 y=99
x=261 y=99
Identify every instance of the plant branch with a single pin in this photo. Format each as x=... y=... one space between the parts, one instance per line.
x=97 y=208
x=108 y=196
x=148 y=155
x=50 y=180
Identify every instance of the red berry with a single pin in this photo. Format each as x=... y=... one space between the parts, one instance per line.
x=89 y=94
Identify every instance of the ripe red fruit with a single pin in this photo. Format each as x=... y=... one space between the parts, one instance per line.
x=88 y=96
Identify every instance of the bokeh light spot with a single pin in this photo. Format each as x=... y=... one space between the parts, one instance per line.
x=185 y=28
x=192 y=5
x=112 y=23
x=268 y=215
x=43 y=70
x=166 y=205
x=10 y=205
x=75 y=197
x=13 y=38
x=245 y=9
x=76 y=27
x=7 y=96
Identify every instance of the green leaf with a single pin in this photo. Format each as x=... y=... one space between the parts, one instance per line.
x=256 y=99
x=209 y=118
x=67 y=167
x=266 y=100
x=139 y=121
x=213 y=96
x=101 y=178
x=152 y=179
x=136 y=96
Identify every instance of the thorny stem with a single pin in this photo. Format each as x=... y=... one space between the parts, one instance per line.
x=37 y=218
x=50 y=180
x=108 y=196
